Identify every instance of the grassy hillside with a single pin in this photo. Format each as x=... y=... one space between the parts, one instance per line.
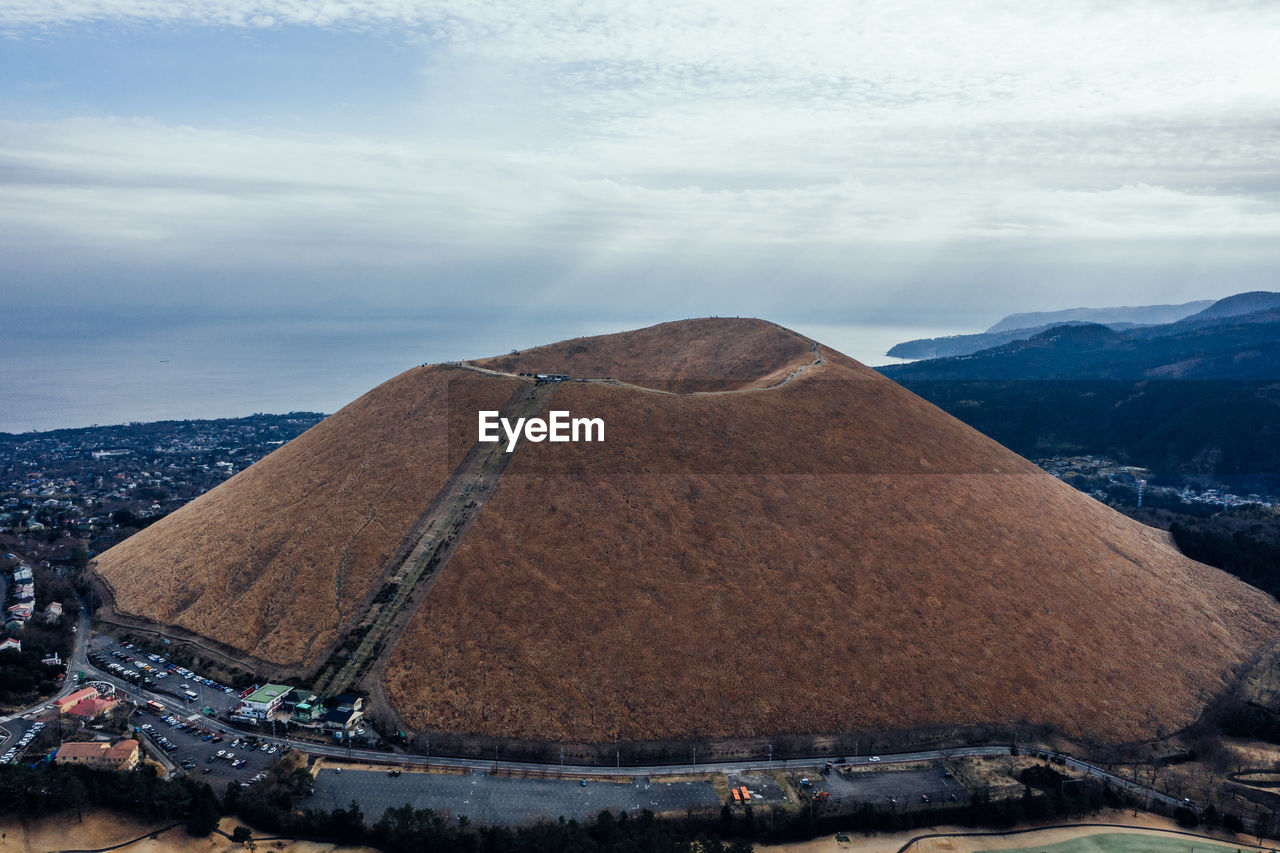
x=815 y=550
x=276 y=560
x=830 y=555
x=685 y=356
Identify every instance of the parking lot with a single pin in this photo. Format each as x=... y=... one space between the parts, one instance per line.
x=918 y=786
x=211 y=758
x=179 y=728
x=498 y=800
x=151 y=670
x=761 y=788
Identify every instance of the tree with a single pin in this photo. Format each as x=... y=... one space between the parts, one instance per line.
x=241 y=834
x=77 y=796
x=204 y=817
x=231 y=798
x=726 y=821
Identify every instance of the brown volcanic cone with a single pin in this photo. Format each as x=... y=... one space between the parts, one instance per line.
x=812 y=549
x=278 y=558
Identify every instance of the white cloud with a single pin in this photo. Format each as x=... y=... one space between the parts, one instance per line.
x=185 y=190
x=611 y=130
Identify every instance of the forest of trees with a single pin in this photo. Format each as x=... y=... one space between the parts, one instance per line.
x=1227 y=429
x=1253 y=559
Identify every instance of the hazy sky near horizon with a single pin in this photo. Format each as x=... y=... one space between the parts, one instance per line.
x=885 y=162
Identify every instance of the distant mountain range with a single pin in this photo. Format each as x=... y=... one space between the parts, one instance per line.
x=953 y=345
x=1133 y=315
x=1023 y=326
x=1234 y=338
x=1129 y=394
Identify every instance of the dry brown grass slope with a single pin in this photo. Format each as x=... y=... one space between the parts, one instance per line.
x=707 y=354
x=274 y=561
x=826 y=556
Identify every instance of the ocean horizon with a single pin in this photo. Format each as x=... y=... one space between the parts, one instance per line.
x=222 y=368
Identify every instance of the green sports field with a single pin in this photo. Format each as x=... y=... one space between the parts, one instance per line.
x=1127 y=842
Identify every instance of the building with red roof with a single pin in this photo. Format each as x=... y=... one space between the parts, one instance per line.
x=69 y=701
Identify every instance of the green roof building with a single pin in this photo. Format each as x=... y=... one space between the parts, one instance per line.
x=263 y=703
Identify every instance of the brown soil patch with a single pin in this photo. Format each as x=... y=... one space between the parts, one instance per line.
x=997 y=774
x=106 y=829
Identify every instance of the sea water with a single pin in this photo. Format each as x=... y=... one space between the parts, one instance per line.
x=117 y=371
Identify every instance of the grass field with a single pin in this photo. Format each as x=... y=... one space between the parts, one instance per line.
x=1129 y=842
x=1128 y=833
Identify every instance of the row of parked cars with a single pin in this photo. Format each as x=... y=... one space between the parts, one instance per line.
x=151 y=670
x=227 y=755
x=184 y=726
x=157 y=738
x=251 y=745
x=22 y=744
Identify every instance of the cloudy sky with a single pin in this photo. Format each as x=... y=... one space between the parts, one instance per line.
x=901 y=162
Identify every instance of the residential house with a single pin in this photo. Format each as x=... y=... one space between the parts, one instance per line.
x=118 y=756
x=342 y=719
